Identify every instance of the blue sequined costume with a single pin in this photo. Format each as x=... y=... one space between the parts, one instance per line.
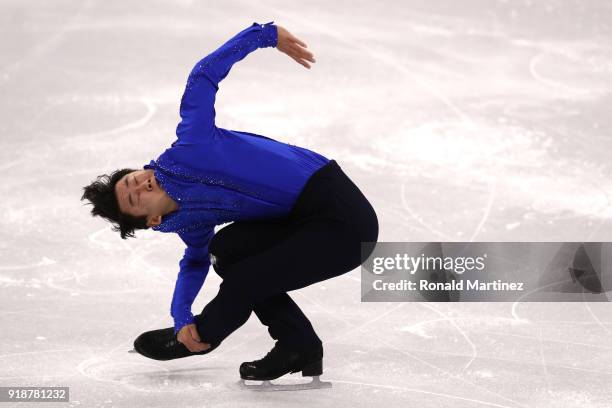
x=218 y=175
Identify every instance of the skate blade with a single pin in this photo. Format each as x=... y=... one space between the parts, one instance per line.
x=315 y=384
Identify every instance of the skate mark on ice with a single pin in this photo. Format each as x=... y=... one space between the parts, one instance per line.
x=459 y=329
x=595 y=318
x=169 y=380
x=381 y=340
x=543 y=359
x=522 y=336
x=25 y=353
x=56 y=284
x=528 y=362
x=138 y=261
x=85 y=366
x=515 y=304
x=136 y=255
x=420 y=391
x=419 y=219
x=49 y=44
x=8 y=356
x=8 y=165
x=353 y=328
x=443 y=371
x=151 y=109
x=37 y=314
x=43 y=262
x=487 y=210
x=138 y=123
x=446 y=373
x=417 y=328
x=559 y=86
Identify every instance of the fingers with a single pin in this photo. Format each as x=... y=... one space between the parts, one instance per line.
x=301 y=56
x=300 y=61
x=302 y=53
x=295 y=48
x=194 y=333
x=297 y=40
x=190 y=338
x=194 y=346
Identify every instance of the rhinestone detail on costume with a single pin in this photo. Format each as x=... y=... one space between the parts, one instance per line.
x=264 y=38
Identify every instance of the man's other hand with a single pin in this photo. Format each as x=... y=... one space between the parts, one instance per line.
x=189 y=336
x=293 y=47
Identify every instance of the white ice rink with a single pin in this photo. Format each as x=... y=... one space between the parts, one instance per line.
x=473 y=120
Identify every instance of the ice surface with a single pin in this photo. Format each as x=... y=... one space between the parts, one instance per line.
x=473 y=120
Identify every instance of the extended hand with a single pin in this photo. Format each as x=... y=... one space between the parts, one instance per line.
x=189 y=336
x=293 y=47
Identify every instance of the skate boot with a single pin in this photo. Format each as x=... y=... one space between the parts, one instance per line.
x=163 y=345
x=280 y=361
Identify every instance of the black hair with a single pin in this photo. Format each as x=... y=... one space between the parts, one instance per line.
x=101 y=193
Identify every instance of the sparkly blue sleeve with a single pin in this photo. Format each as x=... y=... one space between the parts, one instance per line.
x=197 y=104
x=193 y=270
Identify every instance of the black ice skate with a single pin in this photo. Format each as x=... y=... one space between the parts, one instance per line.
x=280 y=361
x=163 y=345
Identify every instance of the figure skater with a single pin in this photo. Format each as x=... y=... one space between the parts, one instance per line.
x=297 y=219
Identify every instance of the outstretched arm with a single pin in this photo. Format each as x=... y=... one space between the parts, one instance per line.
x=197 y=104
x=217 y=64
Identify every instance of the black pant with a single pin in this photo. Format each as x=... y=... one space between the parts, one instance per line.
x=261 y=260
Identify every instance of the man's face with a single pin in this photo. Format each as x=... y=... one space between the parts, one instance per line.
x=139 y=195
